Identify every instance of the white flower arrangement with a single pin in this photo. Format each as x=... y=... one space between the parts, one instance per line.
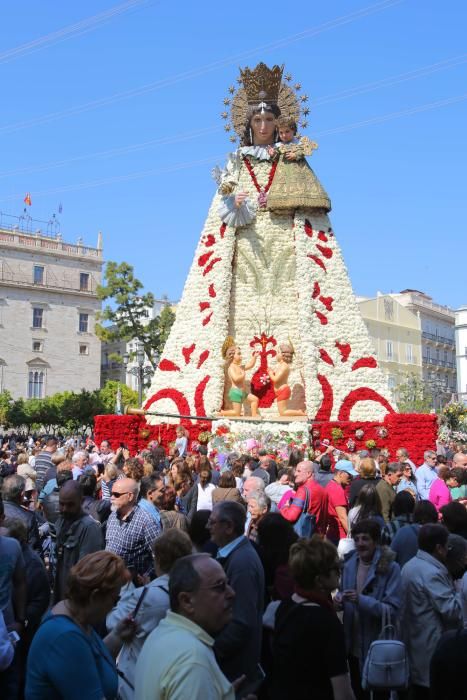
x=281 y=272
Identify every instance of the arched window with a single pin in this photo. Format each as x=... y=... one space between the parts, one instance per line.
x=36 y=384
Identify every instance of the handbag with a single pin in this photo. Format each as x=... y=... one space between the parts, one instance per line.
x=386 y=665
x=305 y=525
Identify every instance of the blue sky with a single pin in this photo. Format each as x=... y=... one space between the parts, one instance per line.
x=117 y=116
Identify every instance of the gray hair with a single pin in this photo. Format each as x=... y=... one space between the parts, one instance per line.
x=79 y=455
x=13 y=486
x=261 y=499
x=428 y=453
x=393 y=468
x=257 y=480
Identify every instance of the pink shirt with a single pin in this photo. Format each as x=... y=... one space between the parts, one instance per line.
x=439 y=494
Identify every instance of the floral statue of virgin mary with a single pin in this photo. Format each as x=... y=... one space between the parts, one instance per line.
x=268 y=273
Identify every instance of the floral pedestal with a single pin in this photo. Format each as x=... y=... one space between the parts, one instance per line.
x=416 y=432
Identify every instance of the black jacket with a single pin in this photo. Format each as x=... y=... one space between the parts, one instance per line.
x=13 y=510
x=238 y=646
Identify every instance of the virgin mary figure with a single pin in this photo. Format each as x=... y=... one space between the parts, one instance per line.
x=265 y=275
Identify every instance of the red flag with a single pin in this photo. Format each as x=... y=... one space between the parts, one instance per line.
x=27 y=199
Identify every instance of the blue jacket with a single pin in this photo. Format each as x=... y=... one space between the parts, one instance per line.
x=382 y=589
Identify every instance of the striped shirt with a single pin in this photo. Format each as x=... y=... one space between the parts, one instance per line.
x=42 y=464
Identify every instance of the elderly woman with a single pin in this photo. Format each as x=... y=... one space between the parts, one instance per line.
x=227 y=489
x=68 y=660
x=258 y=506
x=370 y=585
x=440 y=494
x=309 y=658
x=153 y=602
x=25 y=470
x=367 y=475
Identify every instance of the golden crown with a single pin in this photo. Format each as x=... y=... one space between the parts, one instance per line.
x=262 y=83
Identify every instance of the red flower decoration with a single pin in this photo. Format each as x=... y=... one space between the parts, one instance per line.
x=168 y=366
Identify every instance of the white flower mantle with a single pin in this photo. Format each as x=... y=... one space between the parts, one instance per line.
x=283 y=271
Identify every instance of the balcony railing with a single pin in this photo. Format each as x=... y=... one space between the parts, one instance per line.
x=439 y=363
x=438 y=338
x=41 y=242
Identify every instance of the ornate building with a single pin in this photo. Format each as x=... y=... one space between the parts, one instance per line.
x=397 y=337
x=412 y=334
x=48 y=303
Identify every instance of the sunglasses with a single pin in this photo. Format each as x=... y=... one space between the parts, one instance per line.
x=115 y=494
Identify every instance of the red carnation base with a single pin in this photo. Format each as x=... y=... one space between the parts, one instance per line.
x=416 y=432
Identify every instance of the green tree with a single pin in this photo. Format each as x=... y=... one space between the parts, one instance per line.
x=6 y=402
x=128 y=316
x=17 y=415
x=414 y=396
x=108 y=396
x=78 y=410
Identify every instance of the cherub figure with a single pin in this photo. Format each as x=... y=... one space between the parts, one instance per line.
x=279 y=377
x=237 y=374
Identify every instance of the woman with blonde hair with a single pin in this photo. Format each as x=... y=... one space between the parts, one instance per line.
x=367 y=471
x=68 y=660
x=308 y=639
x=25 y=470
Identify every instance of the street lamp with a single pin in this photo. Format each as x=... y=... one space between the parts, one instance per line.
x=141 y=371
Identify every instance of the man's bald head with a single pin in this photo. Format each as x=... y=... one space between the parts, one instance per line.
x=303 y=471
x=460 y=460
x=124 y=495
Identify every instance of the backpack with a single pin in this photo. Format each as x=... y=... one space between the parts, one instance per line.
x=386 y=665
x=305 y=525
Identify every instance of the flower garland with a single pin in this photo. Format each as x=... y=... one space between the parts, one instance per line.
x=262 y=190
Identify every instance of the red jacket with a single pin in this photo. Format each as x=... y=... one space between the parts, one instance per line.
x=317 y=505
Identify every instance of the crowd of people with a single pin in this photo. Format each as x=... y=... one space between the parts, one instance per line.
x=173 y=574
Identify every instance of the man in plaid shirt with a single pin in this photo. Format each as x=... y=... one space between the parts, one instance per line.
x=131 y=531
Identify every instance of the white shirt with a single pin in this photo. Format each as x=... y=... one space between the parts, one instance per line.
x=205 y=497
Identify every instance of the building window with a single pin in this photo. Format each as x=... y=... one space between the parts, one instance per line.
x=37 y=317
x=391 y=382
x=83 y=281
x=37 y=346
x=409 y=352
x=38 y=274
x=389 y=349
x=36 y=384
x=83 y=323
x=83 y=349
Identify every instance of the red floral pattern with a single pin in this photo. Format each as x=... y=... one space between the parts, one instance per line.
x=168 y=366
x=416 y=432
x=187 y=352
x=364 y=362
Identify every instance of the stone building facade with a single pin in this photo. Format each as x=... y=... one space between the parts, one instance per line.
x=48 y=304
x=397 y=338
x=413 y=334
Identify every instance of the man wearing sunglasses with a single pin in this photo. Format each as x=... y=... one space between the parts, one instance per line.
x=131 y=531
x=177 y=659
